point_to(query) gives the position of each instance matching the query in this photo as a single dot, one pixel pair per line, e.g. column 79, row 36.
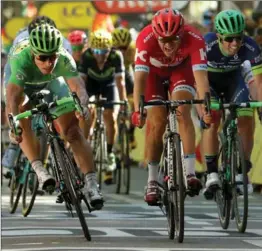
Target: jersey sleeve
column 18, row 71
column 70, row 68
column 198, row 54
column 142, row 62
column 254, row 56
column 119, row 67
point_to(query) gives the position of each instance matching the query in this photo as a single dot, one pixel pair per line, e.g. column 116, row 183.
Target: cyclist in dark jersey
column 226, row 51
column 103, row 70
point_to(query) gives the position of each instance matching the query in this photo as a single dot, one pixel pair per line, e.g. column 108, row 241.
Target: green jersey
column 25, row 73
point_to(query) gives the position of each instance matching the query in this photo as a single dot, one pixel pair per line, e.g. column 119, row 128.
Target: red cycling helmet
column 77, row 37
column 168, row 22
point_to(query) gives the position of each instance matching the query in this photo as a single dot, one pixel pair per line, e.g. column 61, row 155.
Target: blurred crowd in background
column 91, row 15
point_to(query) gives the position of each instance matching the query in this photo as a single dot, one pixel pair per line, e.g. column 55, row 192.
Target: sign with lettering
column 135, row 6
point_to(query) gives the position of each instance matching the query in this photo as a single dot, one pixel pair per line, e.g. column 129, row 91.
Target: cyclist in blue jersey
column 226, row 51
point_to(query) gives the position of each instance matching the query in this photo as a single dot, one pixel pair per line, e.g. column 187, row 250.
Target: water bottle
column 9, row 157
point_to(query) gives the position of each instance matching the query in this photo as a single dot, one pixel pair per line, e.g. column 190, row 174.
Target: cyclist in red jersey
column 169, row 50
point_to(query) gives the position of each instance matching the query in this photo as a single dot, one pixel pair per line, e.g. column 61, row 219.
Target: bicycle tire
column 223, row 196
column 123, row 171
column 237, row 147
column 15, row 185
column 27, row 207
column 178, row 195
column 66, row 165
column 167, row 201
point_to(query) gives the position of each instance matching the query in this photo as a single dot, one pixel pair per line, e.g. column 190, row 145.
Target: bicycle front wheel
column 29, row 192
column 15, row 185
column 239, row 190
column 179, row 189
column 223, row 196
column 123, row 171
column 66, row 165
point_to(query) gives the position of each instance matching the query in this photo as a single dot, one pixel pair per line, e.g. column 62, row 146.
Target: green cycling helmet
column 229, row 22
column 45, row 40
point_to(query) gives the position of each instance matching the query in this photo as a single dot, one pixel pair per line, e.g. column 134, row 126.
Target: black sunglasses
column 231, row 39
column 44, row 58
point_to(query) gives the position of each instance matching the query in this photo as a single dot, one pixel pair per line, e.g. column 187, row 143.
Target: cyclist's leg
column 110, row 92
column 71, row 132
column 219, row 83
column 210, row 149
column 245, row 122
column 182, row 88
column 156, row 117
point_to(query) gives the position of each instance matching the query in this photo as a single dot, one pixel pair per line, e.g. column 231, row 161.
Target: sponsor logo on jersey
column 195, row 35
column 148, row 37
column 140, row 55
column 250, row 47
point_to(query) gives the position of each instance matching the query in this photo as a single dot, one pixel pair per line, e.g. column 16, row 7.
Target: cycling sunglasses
column 44, row 58
column 77, row 47
column 100, row 51
column 230, row 39
column 170, row 39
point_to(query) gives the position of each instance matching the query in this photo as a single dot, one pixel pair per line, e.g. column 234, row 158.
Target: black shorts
column 106, row 90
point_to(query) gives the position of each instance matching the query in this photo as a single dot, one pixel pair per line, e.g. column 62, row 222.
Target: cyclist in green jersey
column 38, row 63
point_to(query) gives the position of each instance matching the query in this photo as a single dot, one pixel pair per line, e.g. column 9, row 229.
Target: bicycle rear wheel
column 29, row 192
column 240, row 201
column 66, row 165
column 223, row 196
column 15, row 185
column 179, row 191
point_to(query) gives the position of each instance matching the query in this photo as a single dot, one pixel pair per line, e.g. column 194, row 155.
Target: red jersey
column 149, row 54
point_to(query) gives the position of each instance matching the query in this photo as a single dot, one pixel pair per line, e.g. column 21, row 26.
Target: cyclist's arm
column 258, row 83
column 15, row 86
column 77, row 84
column 74, row 81
column 202, row 83
column 14, row 94
column 199, row 66
column 120, row 75
column 139, row 87
column 120, row 82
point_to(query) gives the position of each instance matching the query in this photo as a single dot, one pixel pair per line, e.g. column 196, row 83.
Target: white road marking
column 129, row 248
column 255, row 242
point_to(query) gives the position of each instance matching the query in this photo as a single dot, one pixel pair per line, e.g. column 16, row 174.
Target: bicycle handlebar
column 252, row 104
column 174, row 103
column 63, row 106
column 104, row 102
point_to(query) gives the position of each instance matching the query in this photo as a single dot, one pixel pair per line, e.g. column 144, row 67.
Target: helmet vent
column 234, row 25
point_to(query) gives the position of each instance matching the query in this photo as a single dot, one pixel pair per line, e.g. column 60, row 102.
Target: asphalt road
column 125, row 223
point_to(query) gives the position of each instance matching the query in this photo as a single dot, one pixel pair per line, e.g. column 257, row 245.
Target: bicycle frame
column 171, row 130
column 230, row 130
